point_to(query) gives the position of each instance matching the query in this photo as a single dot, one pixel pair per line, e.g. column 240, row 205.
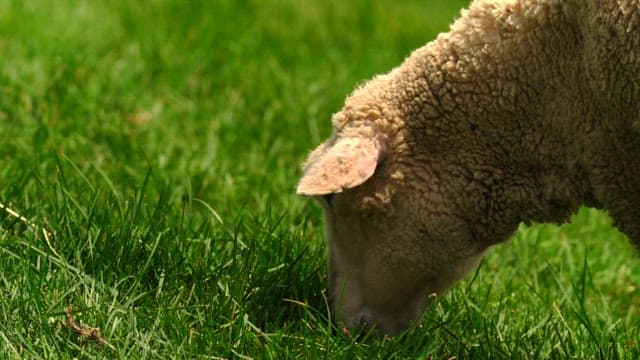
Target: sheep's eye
column 329, row 199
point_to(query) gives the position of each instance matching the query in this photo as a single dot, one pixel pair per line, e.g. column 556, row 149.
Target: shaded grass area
column 160, row 144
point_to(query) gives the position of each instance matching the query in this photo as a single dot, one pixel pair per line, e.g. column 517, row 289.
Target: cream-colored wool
column 523, row 111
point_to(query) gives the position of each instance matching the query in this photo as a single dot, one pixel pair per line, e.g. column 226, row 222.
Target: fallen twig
column 90, row 333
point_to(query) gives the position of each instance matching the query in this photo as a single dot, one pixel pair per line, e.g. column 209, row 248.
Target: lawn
column 153, row 150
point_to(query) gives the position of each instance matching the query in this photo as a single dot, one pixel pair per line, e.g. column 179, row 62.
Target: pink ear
column 331, row 168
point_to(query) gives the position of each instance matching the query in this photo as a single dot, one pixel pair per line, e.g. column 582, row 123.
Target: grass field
column 159, row 143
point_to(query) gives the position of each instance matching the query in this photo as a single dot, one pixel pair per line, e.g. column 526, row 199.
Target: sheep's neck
column 494, row 105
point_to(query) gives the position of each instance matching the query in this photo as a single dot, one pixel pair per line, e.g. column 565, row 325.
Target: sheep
column 524, row 111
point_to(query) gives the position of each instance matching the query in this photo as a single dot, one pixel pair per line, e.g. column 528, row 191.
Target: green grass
column 160, row 144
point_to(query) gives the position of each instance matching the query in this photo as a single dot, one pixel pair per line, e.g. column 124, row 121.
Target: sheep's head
column 395, row 240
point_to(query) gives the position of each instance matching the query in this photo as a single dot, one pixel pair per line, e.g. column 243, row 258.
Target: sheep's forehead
column 373, row 104
column 378, row 122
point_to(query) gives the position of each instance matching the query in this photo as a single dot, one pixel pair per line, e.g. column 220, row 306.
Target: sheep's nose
column 363, row 321
column 361, row 324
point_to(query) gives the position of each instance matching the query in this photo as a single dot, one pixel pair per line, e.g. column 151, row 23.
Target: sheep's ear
column 343, row 164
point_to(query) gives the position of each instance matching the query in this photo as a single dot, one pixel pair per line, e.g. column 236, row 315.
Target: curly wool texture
column 524, row 111
column 537, row 89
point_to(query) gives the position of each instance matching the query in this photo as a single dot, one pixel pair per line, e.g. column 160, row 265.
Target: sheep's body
column 524, row 111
